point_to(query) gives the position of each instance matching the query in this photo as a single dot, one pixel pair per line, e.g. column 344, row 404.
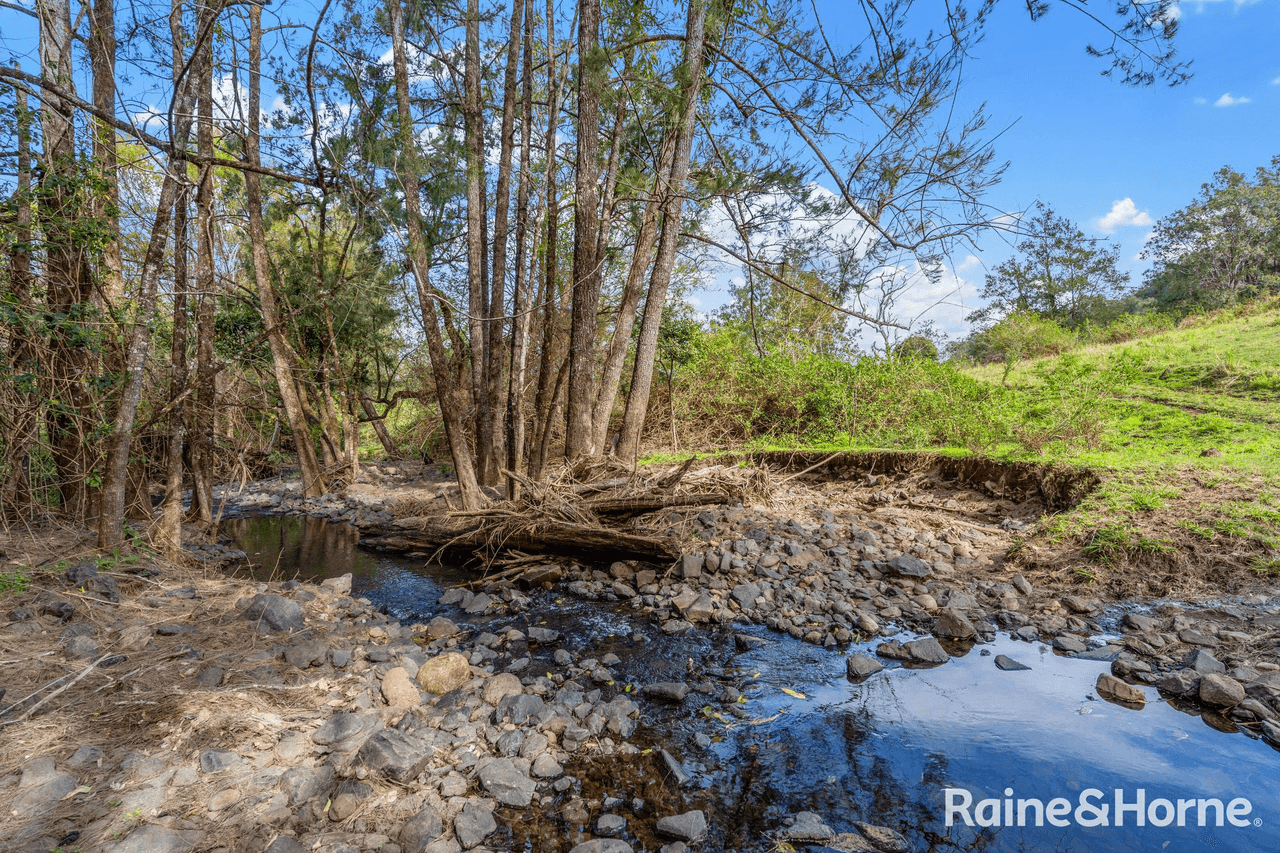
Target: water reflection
column 311, row 549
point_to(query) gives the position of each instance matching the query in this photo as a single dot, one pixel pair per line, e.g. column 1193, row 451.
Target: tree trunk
column 520, row 309
column 17, row 498
column 204, row 413
column 587, row 276
column 170, row 535
column 450, row 408
column 102, row 58
column 380, row 427
column 283, row 363
column 647, row 347
column 473, row 132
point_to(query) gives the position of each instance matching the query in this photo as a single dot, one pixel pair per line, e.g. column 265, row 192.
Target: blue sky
column 1114, row 158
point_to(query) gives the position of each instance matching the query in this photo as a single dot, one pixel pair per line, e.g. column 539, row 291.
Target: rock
column 135, row 638
column 1068, row 643
column 399, row 689
column 274, row 613
column 1271, row 732
column 1182, row 682
column 747, row 643
column 602, row 845
column 396, row 754
column 1141, row 624
column 156, row 839
column 81, row 574
column 1021, row 584
column 346, row 732
column 1202, row 663
column 674, row 768
column 440, row 628
column 340, row 585
column 668, row 691
column 421, row 830
column 285, row 844
column 808, row 827
column 1221, row 691
column 610, row 824
column 546, row 767
column 1110, row 687
column 861, row 666
column 43, row 797
column 224, row 800
column 219, row 761
column 505, row 783
column 305, row 655
column 499, row 687
column 519, row 708
column 300, row 785
column 211, row 677
column 84, row 757
column 907, row 566
column 474, row 824
column 37, row 772
column 81, row 648
column 925, row 651
column 543, row 636
column 343, row 806
column 745, row 594
column 954, row 625
column 689, row 827
column 883, row 838
column 691, row 566
column 1008, row 664
column 443, row 673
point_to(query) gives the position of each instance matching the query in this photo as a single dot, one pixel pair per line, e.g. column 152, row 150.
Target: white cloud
column 1202, row 101
column 968, row 263
column 1227, row 101
column 1124, row 212
column 1276, row 82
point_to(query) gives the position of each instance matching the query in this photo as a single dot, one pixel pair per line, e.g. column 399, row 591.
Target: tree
column 1058, row 273
column 1222, row 247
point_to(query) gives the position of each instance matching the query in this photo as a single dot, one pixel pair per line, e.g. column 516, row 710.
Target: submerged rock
column 1110, row 687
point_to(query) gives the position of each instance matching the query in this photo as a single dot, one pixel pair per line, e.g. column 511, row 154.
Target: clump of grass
column 1265, row 566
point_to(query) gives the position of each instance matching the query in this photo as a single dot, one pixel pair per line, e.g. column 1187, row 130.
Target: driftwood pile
column 594, row 514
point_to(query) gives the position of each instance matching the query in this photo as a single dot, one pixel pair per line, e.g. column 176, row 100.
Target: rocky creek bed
column 813, row 671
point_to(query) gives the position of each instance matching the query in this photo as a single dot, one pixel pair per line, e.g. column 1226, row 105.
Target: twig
column 27, row 713
column 813, row 467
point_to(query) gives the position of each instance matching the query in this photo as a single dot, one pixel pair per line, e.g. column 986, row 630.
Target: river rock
column 499, row 687
column 346, row 732
column 274, row 613
column 689, row 827
column 43, row 797
column 300, row 785
column 1110, row 687
column 156, row 839
column 219, row 761
column 542, row 636
column 883, row 838
column 421, row 830
column 861, row 666
column 396, row 754
column 602, row 845
column 907, row 566
column 441, row 628
column 1069, row 643
column 285, row 844
column 474, row 824
column 610, row 824
column 668, row 691
column 505, row 783
column 954, row 625
column 1271, row 732
column 399, row 689
column 1008, row 664
column 808, row 827
column 519, row 708
column 1202, row 662
column 1141, row 624
column 1221, row 691
column 1182, row 682
column 443, row 673
column 745, row 594
column 925, row 651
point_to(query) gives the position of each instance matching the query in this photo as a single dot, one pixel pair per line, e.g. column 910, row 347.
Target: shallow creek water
column 885, row 751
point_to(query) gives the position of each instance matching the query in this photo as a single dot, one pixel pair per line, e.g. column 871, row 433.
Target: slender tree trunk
column 520, row 308
column 647, row 347
column 451, row 412
column 283, row 363
column 204, row 412
column 17, row 497
column 171, row 511
column 478, row 296
column 587, row 276
column 380, row 427
column 102, row 58
column 641, row 257
column 549, row 420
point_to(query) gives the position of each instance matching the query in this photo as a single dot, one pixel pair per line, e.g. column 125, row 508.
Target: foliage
column 1221, row 248
column 1059, row 274
column 916, row 346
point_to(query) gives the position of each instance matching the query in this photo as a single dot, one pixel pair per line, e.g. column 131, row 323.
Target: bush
column 916, row 346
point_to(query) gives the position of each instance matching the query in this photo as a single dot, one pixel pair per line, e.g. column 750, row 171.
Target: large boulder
column 444, row 673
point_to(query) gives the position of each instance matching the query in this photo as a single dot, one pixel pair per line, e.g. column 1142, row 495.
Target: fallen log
column 619, row 509
column 477, row 537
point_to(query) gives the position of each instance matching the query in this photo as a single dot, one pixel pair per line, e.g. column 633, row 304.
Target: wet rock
column 1271, row 732
column 861, row 666
column 474, row 824
column 1069, row 643
column 907, row 566
column 441, row 628
column 399, row 689
column 674, row 769
column 1029, row 633
column 443, row 673
column 602, row 845
column 1106, row 653
column 421, row 829
column 676, row 626
column 688, row 827
column 954, row 625
column 506, row 783
column 924, row 651
column 610, row 824
column 1110, row 687
column 668, row 691
column 1221, row 691
column 543, row 636
column 396, row 755
column 1139, row 623
column 1202, row 663
column 808, row 827
column 883, row 838
column 1008, row 664
column 747, row 643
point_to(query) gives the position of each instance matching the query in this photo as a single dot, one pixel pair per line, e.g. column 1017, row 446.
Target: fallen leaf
column 795, row 693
